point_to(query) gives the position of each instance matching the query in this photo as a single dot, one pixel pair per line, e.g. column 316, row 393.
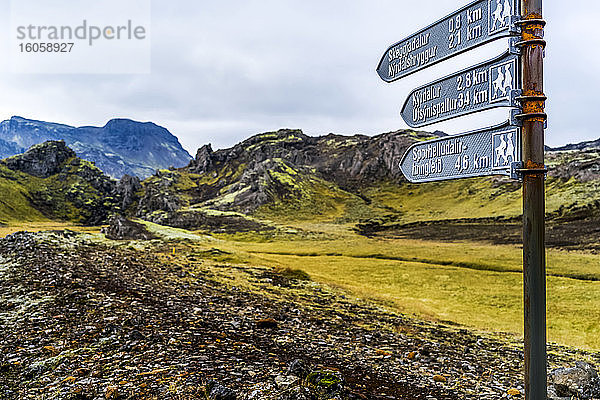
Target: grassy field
column 44, row 225
column 471, row 284
column 472, row 198
column 476, row 285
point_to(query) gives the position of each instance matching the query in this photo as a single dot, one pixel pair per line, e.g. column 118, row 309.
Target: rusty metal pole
column 534, row 259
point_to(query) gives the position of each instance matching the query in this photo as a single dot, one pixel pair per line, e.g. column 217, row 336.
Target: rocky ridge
column 286, row 166
column 589, row 145
column 582, row 165
column 349, row 161
column 42, row 160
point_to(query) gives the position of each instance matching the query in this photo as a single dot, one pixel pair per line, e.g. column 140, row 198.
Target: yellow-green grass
column 56, row 196
column 14, row 202
column 473, row 198
column 311, row 199
column 485, row 293
column 44, row 225
column 467, row 255
column 484, row 300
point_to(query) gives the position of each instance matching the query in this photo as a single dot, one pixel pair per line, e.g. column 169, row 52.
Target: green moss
column 420, row 136
column 284, row 179
column 310, row 199
column 184, row 182
column 273, row 138
column 66, row 196
column 169, row 233
column 337, row 143
column 229, row 197
column 326, row 383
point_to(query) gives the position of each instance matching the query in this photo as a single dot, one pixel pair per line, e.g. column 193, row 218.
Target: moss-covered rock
column 326, row 384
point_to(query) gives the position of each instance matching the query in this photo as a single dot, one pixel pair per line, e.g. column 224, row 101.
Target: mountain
column 120, row 147
column 286, row 175
column 8, row 149
column 282, row 176
column 583, row 146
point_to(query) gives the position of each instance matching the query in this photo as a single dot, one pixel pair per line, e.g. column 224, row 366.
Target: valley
column 285, row 251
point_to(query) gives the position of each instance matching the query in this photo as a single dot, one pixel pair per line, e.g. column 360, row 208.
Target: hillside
column 314, row 176
column 120, row 147
column 589, row 145
column 49, row 181
column 286, row 175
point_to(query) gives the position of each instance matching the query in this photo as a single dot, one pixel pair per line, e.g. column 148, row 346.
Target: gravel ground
column 81, row 319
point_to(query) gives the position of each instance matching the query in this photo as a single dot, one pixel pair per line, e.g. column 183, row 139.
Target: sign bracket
column 515, row 25
column 512, row 46
column 517, row 171
column 514, row 117
column 515, row 97
column 514, row 170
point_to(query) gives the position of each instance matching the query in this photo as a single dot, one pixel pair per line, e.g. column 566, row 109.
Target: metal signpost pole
column 534, row 260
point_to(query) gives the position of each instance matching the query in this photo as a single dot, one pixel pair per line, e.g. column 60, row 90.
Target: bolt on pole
column 534, row 259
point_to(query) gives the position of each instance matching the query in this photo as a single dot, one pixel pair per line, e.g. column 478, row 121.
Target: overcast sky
column 224, row 70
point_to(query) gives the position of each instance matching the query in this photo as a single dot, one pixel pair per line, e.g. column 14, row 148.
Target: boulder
column 579, row 382
column 216, row 391
column 120, row 228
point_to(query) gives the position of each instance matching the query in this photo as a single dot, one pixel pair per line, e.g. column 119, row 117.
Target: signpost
column 534, row 258
column 492, row 151
column 473, row 25
column 487, row 85
column 515, row 148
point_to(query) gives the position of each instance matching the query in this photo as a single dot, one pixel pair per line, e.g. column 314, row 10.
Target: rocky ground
column 84, row 318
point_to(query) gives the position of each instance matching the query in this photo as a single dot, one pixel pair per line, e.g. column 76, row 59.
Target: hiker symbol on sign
column 500, row 16
column 502, row 81
column 504, row 148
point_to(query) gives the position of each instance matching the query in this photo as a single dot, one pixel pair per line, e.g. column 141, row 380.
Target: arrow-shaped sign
column 473, row 25
column 487, row 85
column 491, row 151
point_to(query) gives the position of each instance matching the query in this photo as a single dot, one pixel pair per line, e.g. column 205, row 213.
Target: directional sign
column 490, row 151
column 487, row 85
column 473, row 25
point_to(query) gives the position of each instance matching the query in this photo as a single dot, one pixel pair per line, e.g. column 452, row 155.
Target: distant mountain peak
column 125, row 121
column 120, row 122
column 122, row 146
column 583, row 146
